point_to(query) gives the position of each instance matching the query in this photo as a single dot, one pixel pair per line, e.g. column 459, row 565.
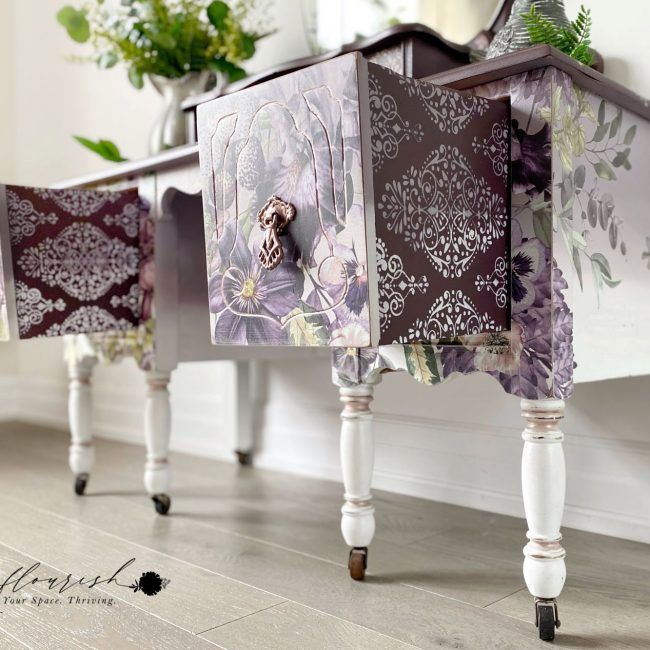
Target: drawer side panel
column 442, row 214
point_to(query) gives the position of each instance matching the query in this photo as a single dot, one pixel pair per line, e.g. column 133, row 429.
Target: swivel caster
column 244, row 458
column 162, row 502
column 546, row 618
column 358, row 562
column 80, row 482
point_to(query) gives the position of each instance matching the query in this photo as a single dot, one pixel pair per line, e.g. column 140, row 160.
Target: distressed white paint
column 80, row 413
column 157, row 432
column 543, row 486
column 357, row 461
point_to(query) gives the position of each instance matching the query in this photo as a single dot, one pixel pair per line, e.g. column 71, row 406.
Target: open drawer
column 70, row 261
column 347, row 205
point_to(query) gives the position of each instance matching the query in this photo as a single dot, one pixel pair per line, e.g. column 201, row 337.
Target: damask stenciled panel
column 285, row 213
column 75, row 260
column 440, row 162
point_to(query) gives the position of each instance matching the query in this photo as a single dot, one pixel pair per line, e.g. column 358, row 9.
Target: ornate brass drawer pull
column 274, row 217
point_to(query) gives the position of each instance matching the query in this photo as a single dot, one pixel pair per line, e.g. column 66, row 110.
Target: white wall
column 459, row 442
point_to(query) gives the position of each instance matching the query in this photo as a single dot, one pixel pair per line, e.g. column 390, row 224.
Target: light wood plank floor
column 255, row 560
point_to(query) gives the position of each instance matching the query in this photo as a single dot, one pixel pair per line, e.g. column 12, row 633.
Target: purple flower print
column 357, row 272
column 563, row 362
column 531, row 160
column 352, row 365
column 250, row 302
column 528, row 264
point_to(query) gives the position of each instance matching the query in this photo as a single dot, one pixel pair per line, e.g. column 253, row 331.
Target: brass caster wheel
column 358, row 562
column 162, row 503
column 244, row 458
column 80, row 482
column 546, row 618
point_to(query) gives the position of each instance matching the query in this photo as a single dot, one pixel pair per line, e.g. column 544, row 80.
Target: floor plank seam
column 462, row 602
column 234, row 620
column 10, row 635
column 498, row 600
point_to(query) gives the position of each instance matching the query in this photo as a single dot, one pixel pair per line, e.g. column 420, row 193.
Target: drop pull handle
column 274, row 218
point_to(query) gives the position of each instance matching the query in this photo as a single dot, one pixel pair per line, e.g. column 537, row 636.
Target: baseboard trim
column 44, row 402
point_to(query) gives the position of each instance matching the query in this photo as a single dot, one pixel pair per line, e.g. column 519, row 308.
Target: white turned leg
column 357, row 459
column 157, row 431
column 81, row 457
column 248, row 398
column 543, row 480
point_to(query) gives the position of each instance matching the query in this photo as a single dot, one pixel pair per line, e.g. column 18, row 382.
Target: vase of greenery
column 169, row 128
column 182, row 47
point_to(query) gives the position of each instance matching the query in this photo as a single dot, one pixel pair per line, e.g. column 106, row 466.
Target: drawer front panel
column 296, row 138
column 440, row 164
column 73, row 259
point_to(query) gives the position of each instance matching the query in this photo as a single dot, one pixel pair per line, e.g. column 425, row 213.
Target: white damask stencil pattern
column 24, row 218
column 31, row 306
column 450, row 111
column 131, row 300
column 388, row 128
column 445, row 210
column 395, row 285
column 89, row 319
column 76, row 203
column 452, row 314
column 496, row 282
column 493, row 148
column 82, row 260
column 128, row 219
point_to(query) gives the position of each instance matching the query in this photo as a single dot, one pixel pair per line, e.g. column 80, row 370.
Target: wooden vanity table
column 350, row 207
column 489, row 218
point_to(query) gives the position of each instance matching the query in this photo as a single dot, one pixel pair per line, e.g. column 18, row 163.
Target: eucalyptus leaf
column 217, row 13
column 247, row 46
column 613, row 235
column 611, row 283
column 577, row 265
column 604, row 170
column 601, row 260
column 616, row 123
column 75, row 23
column 621, row 157
column 136, row 78
column 105, row 148
column 107, row 60
column 601, row 132
column 579, row 176
column 629, row 135
column 592, row 212
column 601, row 112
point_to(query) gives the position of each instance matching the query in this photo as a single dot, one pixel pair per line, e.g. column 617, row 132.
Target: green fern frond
column 573, row 40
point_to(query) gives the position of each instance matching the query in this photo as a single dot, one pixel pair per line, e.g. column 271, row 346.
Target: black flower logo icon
column 150, row 583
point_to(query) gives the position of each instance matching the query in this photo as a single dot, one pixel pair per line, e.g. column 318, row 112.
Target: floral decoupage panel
column 601, row 207
column 522, row 360
column 297, row 138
